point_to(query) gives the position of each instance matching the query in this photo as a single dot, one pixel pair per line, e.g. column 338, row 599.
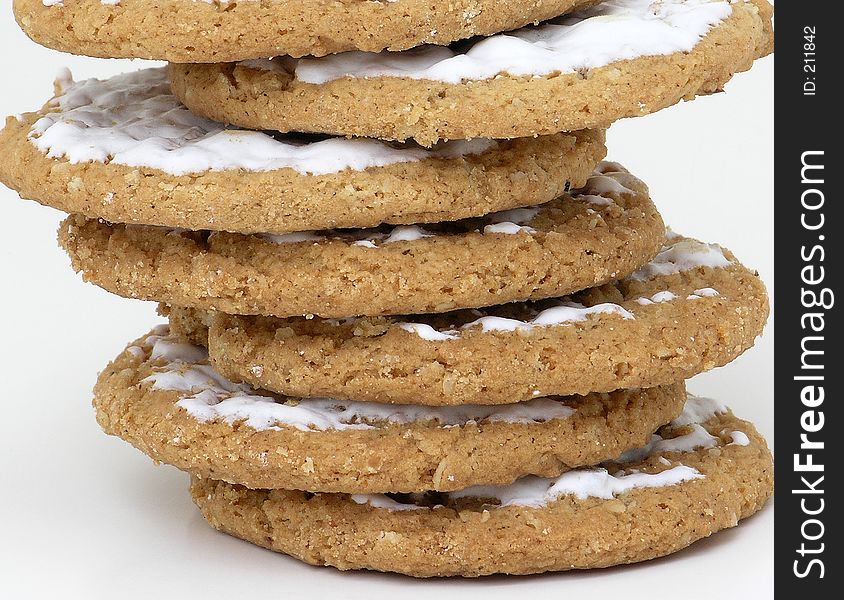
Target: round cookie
column 225, row 30
column 702, row 474
column 597, row 234
column 163, row 397
column 693, row 308
column 623, row 58
column 125, row 150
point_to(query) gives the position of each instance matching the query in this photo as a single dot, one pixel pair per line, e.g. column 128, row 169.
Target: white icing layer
column 657, row 298
column 428, row 333
column 667, row 296
column 697, row 410
column 682, row 255
column 595, row 482
column 739, row 438
column 539, row 491
column 363, row 237
column 209, row 396
column 134, row 120
column 514, row 221
column 704, row 293
column 565, row 313
column 679, row 256
column 698, row 437
column 406, row 233
column 612, row 31
column 383, row 501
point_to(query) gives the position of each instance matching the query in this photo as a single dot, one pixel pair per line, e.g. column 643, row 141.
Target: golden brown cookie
column 693, row 308
column 123, row 149
column 163, row 397
column 594, row 235
column 701, row 474
column 619, row 59
column 225, row 30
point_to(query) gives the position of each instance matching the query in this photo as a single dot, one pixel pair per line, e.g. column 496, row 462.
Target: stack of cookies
column 416, row 323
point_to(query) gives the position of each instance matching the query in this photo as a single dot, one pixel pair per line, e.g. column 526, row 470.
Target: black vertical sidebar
column 808, row 259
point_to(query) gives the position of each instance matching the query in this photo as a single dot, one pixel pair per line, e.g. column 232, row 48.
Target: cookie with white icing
column 622, row 58
column 125, row 150
column 703, row 473
column 589, row 237
column 693, row 308
column 226, row 30
column 162, row 396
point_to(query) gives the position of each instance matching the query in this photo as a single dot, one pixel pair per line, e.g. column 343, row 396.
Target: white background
column 87, row 516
